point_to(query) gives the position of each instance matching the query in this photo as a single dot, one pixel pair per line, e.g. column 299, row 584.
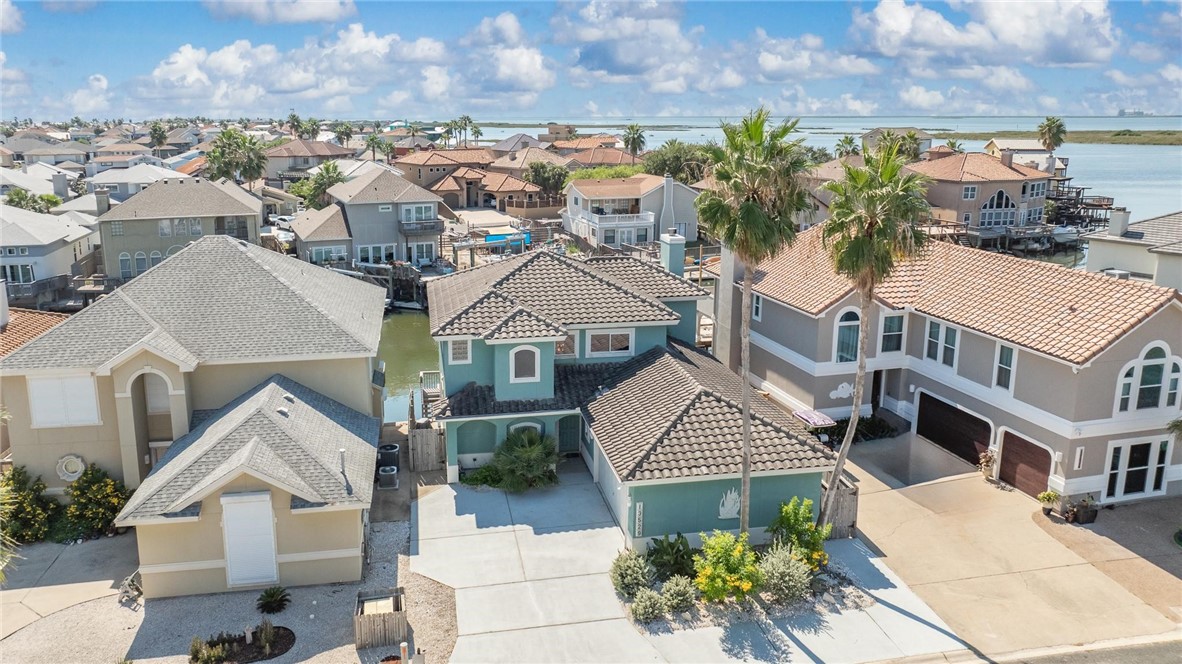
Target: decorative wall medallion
column 843, row 391
column 728, row 507
column 70, row 467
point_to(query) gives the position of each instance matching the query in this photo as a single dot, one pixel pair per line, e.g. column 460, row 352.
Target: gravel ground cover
column 103, row 631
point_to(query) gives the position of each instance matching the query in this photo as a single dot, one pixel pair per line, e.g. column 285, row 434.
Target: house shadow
column 903, row 461
column 1143, row 529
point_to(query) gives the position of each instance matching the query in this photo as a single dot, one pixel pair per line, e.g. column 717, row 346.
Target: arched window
column 173, row 249
column 523, row 365
column 125, row 266
column 999, row 210
column 154, row 258
column 141, row 262
column 1150, row 382
column 526, row 425
column 847, row 337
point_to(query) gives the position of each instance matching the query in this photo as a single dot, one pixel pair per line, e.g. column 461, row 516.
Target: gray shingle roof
column 646, row 276
column 306, row 148
column 187, row 197
column 675, row 412
column 327, row 223
column 281, row 431
column 218, row 299
column 24, row 227
column 1156, row 231
column 381, row 186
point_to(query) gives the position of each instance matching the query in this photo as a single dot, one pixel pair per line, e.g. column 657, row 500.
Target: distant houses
column 629, row 211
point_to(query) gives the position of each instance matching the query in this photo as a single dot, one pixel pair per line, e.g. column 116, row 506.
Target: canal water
column 406, row 348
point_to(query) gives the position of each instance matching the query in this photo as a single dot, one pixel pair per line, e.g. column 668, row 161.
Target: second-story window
column 756, row 306
column 1150, row 382
column 941, row 351
column 460, row 351
column 892, row 334
column 523, row 365
column 116, row 228
column 969, row 193
column 1004, row 377
column 609, row 343
column 847, row 337
column 568, row 347
column 165, row 226
column 125, row 266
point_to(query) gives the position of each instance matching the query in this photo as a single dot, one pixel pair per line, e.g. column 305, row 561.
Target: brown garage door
column 963, row 434
column 1024, row 465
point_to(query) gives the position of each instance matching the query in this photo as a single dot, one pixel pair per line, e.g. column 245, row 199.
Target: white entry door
column 626, row 236
column 248, row 526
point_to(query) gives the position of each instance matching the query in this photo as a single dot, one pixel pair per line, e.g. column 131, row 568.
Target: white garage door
column 249, row 528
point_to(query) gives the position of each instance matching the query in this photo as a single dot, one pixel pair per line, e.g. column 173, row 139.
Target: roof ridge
column 652, row 445
column 473, row 304
column 519, row 309
column 273, row 415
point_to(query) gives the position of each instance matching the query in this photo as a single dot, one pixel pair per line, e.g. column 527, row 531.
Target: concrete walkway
column 50, row 577
column 973, row 552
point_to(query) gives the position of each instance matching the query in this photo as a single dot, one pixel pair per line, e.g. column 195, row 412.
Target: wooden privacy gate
column 428, row 449
column 845, row 509
column 379, row 619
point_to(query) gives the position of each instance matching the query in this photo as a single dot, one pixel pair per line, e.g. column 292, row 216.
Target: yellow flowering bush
column 794, row 528
column 95, row 501
column 726, row 567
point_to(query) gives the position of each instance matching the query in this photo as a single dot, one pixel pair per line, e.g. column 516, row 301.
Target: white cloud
column 502, row 29
column 795, row 101
column 591, row 107
column 1145, row 52
column 182, row 67
column 997, row 79
column 393, row 100
column 726, row 78
column 91, row 99
column 11, row 20
column 920, row 97
column 1130, row 80
column 1172, row 73
column 522, row 68
column 806, row 58
column 14, row 84
column 436, row 82
column 282, row 11
column 68, row 6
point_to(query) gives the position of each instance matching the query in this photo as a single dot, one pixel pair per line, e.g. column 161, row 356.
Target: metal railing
column 615, row 219
column 21, row 291
column 423, row 226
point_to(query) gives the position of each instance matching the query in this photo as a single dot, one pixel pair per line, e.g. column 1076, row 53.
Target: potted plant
column 985, row 463
column 1081, row 511
column 1048, row 499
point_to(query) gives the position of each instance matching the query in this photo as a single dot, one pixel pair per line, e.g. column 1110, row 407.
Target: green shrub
column 726, row 567
column 273, row 600
column 647, row 606
column 794, row 527
column 869, row 428
column 630, row 573
column 95, row 501
column 526, row 460
column 205, row 652
column 679, row 593
column 195, row 648
column 785, row 577
column 29, row 516
column 486, row 475
column 266, row 636
column 670, row 557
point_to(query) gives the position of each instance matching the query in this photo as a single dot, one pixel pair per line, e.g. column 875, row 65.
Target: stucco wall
column 543, row 388
column 471, row 443
column 1133, row 257
column 687, row 328
column 346, row 380
column 479, row 370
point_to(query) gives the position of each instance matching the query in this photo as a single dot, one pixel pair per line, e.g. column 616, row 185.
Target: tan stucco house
column 225, row 408
column 1150, row 249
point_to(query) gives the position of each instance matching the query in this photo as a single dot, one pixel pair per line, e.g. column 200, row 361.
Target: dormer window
column 523, row 365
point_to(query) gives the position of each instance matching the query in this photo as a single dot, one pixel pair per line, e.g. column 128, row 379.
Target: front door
column 626, row 236
column 248, row 526
column 876, row 390
column 1136, row 469
column 570, row 429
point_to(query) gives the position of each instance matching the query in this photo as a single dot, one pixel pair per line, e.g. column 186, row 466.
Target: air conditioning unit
column 1118, row 274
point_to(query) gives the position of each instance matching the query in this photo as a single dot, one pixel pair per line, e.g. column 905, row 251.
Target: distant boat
column 1065, row 234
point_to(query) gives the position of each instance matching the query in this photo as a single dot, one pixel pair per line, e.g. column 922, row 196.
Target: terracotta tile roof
column 426, row 158
column 974, row 167
column 521, row 159
column 586, row 142
column 1069, row 314
column 630, row 187
column 24, row 325
column 194, row 166
column 604, row 157
column 306, row 148
column 503, row 182
column 327, row 223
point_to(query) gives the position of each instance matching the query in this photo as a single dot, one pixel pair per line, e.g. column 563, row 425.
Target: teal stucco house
column 600, row 355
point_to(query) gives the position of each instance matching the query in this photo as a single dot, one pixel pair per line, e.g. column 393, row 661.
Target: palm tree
column 309, row 129
column 477, row 132
column 909, row 146
column 633, row 140
column 342, row 131
column 954, row 145
column 1051, row 133
column 158, row 136
column 465, row 124
column 375, row 143
column 328, row 175
column 887, row 138
column 294, row 124
column 758, row 173
column 871, row 228
column 252, row 162
column 847, row 146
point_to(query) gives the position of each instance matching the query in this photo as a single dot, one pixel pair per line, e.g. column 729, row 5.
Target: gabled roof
column 327, row 223
column 194, row 165
column 54, row 150
column 604, row 157
column 469, row 156
column 586, row 142
column 381, row 186
column 675, row 412
column 521, row 159
column 46, row 171
column 315, row 311
column 630, row 187
column 1018, row 144
column 501, row 182
column 974, row 167
column 1155, row 232
column 517, row 142
column 30, row 183
column 426, row 158
column 123, row 147
column 191, row 197
column 20, row 227
column 1068, row 314
column 646, row 276
column 24, row 325
column 136, row 174
column 305, row 148
column 280, row 432
column 87, row 204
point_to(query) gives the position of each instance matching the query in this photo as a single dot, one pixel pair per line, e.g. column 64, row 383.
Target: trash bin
column 388, row 477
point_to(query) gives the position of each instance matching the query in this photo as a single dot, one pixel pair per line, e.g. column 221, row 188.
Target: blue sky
column 347, row 59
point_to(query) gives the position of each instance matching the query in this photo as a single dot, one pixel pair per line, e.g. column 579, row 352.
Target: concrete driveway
column 975, row 553
column 50, row 577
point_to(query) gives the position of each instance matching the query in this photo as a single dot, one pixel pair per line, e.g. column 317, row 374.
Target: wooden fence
column 385, row 623
column 845, row 509
column 428, row 450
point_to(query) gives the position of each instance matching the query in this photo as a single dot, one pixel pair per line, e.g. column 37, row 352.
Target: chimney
column 61, row 186
column 673, row 252
column 102, row 202
column 3, row 305
column 1118, row 223
column 668, row 215
column 513, row 155
column 1007, row 158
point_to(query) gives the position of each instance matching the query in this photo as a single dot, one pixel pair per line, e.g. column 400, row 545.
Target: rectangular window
column 949, row 358
column 933, row 345
column 24, row 251
column 385, row 208
column 116, row 228
column 969, row 193
column 609, row 343
column 892, row 334
column 568, row 347
column 968, row 218
column 609, row 236
column 642, row 235
column 756, row 306
column 460, row 351
column 1079, row 458
column 1005, row 366
column 195, row 227
column 19, row 274
column 165, row 226
column 63, row 401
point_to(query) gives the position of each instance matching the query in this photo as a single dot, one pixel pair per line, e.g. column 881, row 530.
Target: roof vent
column 282, row 411
column 289, row 398
column 1118, row 274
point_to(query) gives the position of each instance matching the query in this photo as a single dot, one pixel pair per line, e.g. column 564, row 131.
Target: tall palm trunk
column 865, row 297
column 745, row 345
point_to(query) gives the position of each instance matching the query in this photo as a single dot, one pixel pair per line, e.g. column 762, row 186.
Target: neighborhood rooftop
column 306, row 148
column 25, row 227
column 381, row 186
column 974, row 167
column 180, row 197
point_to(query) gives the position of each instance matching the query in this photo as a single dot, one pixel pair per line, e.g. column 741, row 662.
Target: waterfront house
column 463, row 178
column 231, row 388
column 600, row 355
column 517, row 163
column 1069, row 377
column 322, row 236
column 620, row 211
column 603, row 156
column 41, row 253
column 1150, row 249
column 1027, row 151
column 569, row 146
column 292, row 160
column 123, row 183
column 388, row 219
column 516, row 143
column 169, row 214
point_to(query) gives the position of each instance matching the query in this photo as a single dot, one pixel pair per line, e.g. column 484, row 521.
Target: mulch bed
column 253, row 652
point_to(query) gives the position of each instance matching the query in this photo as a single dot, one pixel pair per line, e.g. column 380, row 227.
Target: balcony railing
column 95, row 284
column 615, row 219
column 21, row 291
column 423, row 226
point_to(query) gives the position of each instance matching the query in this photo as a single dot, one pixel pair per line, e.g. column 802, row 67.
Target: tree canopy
column 686, row 162
column 550, row 177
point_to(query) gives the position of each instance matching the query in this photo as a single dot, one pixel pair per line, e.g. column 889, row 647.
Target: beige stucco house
column 225, row 408
column 1150, row 249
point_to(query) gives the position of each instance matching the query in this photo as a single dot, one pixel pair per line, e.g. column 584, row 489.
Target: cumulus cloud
column 1145, row 52
column 282, row 11
column 997, row 79
column 795, row 100
column 13, row 82
column 917, row 96
column 806, row 58
column 93, row 98
column 11, row 20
